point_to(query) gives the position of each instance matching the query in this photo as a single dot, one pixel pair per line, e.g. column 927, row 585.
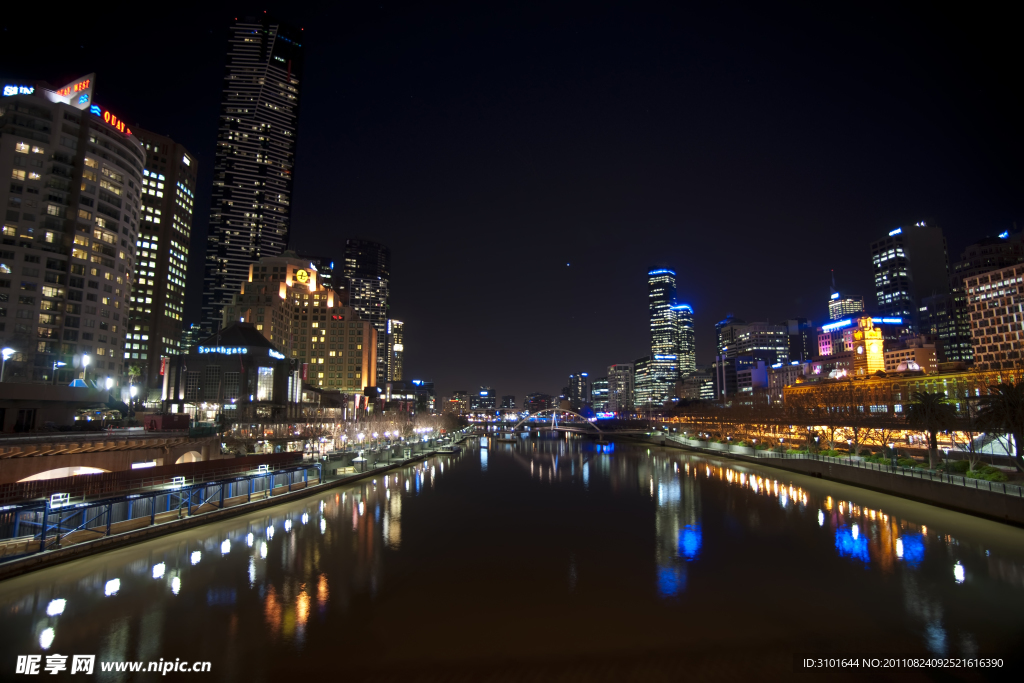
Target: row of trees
column 872, row 414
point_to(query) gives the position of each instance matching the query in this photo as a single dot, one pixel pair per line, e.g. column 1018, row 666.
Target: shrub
column 742, row 443
column 760, row 447
column 988, row 473
column 834, row 454
column 907, row 462
column 958, row 467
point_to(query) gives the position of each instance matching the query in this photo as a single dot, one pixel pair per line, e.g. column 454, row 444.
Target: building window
column 191, row 386
column 265, row 384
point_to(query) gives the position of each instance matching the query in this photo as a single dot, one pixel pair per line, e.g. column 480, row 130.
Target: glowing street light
column 7, row 353
column 57, row 364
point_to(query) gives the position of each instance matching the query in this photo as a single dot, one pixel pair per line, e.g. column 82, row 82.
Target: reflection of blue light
column 689, row 542
column 670, row 581
column 854, row 547
column 913, row 549
column 483, row 459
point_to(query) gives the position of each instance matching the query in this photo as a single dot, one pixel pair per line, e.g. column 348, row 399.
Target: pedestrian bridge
column 49, row 456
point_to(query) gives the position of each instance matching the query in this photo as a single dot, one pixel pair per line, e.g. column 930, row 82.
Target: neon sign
column 275, row 354
column 80, row 86
column 18, row 90
column 110, row 119
column 226, row 350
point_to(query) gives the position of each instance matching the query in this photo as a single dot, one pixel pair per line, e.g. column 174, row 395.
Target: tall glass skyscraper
column 368, row 271
column 664, row 366
column 685, row 339
column 253, row 172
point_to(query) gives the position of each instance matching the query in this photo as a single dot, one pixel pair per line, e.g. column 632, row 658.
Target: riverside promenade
column 1003, row 502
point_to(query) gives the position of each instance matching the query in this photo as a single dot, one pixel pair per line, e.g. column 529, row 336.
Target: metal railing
column 912, row 472
column 39, row 525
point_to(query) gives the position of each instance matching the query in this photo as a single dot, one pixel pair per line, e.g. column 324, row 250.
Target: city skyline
column 378, row 178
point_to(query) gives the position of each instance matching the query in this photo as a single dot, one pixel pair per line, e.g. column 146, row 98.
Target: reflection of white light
column 855, row 531
column 252, row 571
column 305, row 517
column 158, row 570
column 46, row 638
column 175, row 585
column 56, row 607
column 958, row 572
column 406, row 484
column 225, row 547
column 323, row 525
column 263, row 550
column 270, row 532
column 361, row 508
column 287, row 525
column 249, row 539
column 821, row 518
column 899, row 548
column 112, row 587
column 196, row 556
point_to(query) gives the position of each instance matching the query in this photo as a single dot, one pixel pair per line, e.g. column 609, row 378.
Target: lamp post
column 85, row 368
column 57, row 364
column 7, row 353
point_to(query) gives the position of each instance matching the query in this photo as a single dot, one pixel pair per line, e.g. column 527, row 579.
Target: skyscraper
column 685, row 339
column 165, row 233
column 74, row 178
column 663, row 370
column 599, row 394
column 396, row 349
column 910, row 264
column 579, row 390
column 250, row 213
column 620, row 388
column 368, row 272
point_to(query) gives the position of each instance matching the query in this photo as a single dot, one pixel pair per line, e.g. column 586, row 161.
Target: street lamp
column 85, row 367
column 110, row 383
column 57, row 364
column 7, row 353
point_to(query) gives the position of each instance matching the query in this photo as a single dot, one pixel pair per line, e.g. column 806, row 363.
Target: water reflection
column 554, row 526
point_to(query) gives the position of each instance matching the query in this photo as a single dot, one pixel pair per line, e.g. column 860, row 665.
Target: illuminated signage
column 337, row 317
column 185, row 160
column 77, row 93
column 80, row 86
column 888, row 321
column 835, row 295
column 275, row 354
column 665, row 357
column 897, row 231
column 682, row 307
column 18, row 90
column 301, row 276
column 831, row 327
column 226, row 350
column 1002, row 235
column 662, row 271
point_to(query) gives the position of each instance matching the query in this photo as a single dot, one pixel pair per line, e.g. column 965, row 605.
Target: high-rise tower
column 250, row 214
column 165, row 233
column 685, row 339
column 664, row 365
column 910, row 264
column 368, row 271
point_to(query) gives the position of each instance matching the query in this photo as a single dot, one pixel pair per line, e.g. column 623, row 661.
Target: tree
column 1003, row 410
column 931, row 413
column 966, row 394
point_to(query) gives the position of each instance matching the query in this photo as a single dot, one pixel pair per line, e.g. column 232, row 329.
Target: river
column 551, row 558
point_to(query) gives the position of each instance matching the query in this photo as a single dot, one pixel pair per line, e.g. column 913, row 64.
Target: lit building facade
column 686, row 341
column 254, row 166
column 841, row 306
column 368, row 275
column 290, row 308
column 663, row 367
column 620, row 387
column 165, row 234
column 868, row 348
column 579, row 390
column 995, row 303
column 508, row 402
column 642, row 394
column 599, row 394
column 535, row 403
column 396, row 349
column 744, row 339
column 910, row 264
column 72, row 198
column 484, row 399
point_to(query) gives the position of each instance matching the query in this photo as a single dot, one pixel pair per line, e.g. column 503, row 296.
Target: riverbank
column 49, row 558
column 980, row 502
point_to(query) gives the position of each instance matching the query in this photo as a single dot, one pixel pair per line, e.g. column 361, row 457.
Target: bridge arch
column 191, row 456
column 554, row 412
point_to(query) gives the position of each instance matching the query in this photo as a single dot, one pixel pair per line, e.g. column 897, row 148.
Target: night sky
column 527, row 163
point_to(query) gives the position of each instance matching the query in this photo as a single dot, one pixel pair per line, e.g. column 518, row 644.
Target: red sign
column 305, row 371
column 75, row 87
column 337, row 317
column 115, row 122
column 163, row 364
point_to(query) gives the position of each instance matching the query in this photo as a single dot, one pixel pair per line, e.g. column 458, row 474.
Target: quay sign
column 110, row 119
column 226, row 350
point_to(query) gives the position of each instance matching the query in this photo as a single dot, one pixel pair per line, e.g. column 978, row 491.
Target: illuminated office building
column 335, row 348
column 254, row 166
column 72, row 196
column 165, row 234
column 599, row 394
column 994, row 303
column 579, row 390
column 620, row 387
column 910, row 264
column 368, row 273
column 508, row 402
column 841, row 306
column 663, row 368
column 686, row 345
column 484, row 399
column 396, row 349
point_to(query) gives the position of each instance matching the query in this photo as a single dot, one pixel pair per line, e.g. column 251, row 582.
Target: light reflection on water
column 557, row 529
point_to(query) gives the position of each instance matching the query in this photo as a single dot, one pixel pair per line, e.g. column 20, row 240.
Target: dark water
column 552, row 559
